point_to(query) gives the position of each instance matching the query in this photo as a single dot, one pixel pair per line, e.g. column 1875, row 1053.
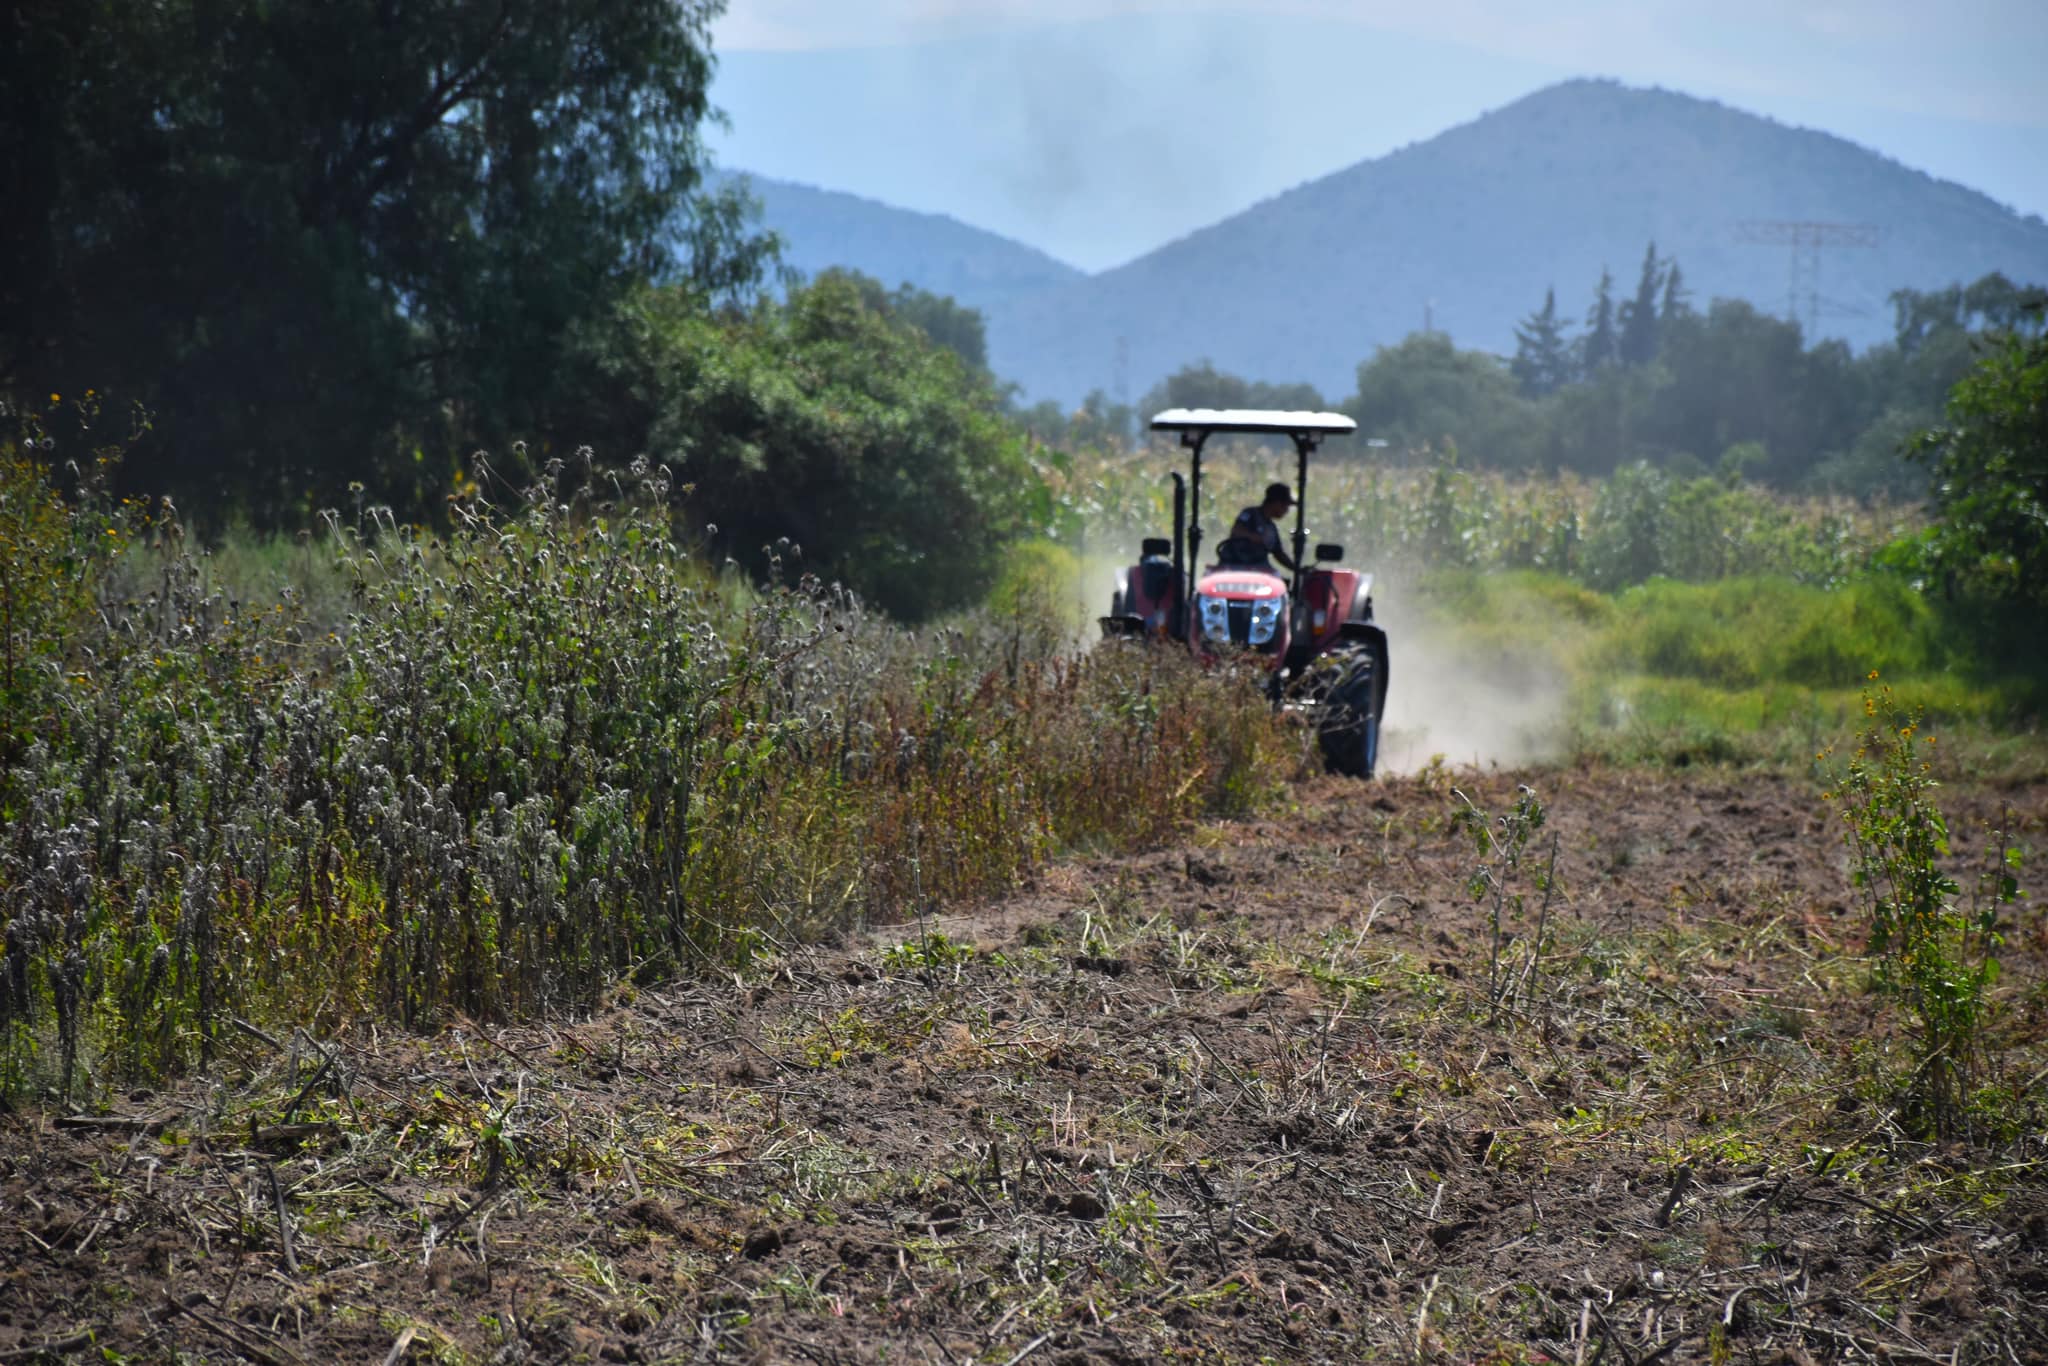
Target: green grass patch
column 1750, row 633
column 1760, row 669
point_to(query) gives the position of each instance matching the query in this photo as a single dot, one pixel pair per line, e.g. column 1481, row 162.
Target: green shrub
column 1990, row 468
column 818, row 422
column 1932, row 958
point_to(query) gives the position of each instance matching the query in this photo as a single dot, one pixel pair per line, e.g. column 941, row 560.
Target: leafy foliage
column 821, row 423
column 1100, row 423
column 343, row 240
column 1601, row 345
column 1990, row 464
column 1647, row 523
column 1992, row 303
column 52, row 552
column 942, row 321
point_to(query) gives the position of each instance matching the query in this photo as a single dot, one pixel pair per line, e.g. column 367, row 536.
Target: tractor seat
column 1158, row 582
column 1235, row 552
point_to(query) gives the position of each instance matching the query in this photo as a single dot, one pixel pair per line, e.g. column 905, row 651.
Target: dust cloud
column 1474, row 703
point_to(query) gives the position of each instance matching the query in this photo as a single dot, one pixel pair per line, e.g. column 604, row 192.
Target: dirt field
column 1241, row 1100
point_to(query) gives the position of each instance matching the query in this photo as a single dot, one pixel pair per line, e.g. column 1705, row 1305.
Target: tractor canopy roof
column 1275, row 421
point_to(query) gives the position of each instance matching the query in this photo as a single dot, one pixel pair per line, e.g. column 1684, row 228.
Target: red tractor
column 1313, row 630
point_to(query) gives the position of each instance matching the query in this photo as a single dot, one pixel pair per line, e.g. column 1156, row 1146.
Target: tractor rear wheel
column 1350, row 728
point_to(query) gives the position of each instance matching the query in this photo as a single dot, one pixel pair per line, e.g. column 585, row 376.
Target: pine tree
column 1638, row 345
column 1599, row 347
column 1677, row 299
column 1543, row 358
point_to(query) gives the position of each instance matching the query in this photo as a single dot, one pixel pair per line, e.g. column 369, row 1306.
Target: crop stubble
column 1229, row 1100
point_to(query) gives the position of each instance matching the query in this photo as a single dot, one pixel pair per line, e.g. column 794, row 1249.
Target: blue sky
column 1098, row 129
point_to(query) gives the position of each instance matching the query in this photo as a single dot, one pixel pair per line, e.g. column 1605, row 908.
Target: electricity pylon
column 1807, row 239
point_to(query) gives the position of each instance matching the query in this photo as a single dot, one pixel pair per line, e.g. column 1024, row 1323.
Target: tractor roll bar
column 1196, row 425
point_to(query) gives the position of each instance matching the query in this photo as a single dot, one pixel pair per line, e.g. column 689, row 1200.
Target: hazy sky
column 1098, row 129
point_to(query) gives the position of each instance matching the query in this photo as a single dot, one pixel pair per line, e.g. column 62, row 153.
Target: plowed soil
column 1277, row 1094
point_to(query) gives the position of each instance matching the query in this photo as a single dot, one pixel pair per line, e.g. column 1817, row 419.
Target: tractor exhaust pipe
column 1180, row 565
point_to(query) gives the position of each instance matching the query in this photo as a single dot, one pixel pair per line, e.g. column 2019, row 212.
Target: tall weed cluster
column 1932, row 957
column 544, row 750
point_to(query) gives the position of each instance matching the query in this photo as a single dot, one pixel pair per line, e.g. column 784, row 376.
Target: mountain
column 1469, row 228
column 823, row 228
column 1466, row 229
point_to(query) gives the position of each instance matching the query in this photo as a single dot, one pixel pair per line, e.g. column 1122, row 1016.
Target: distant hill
column 1472, row 225
column 1467, row 228
column 823, row 228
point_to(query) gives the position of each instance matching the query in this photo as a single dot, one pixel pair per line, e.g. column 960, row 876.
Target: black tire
column 1350, row 728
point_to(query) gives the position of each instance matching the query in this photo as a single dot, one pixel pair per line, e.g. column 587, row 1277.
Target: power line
column 1806, row 239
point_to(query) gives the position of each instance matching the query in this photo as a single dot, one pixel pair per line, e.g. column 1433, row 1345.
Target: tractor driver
column 1256, row 533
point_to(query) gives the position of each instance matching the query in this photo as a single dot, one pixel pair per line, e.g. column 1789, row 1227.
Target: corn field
column 1641, row 523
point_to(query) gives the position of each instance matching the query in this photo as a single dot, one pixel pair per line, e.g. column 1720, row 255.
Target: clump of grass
column 543, row 750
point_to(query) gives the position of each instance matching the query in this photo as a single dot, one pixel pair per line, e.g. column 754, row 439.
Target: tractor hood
column 1241, row 585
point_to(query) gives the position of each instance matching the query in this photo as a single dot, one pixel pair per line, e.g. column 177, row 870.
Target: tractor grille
column 1240, row 623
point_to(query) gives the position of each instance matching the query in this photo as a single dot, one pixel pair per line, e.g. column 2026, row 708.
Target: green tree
column 952, row 325
column 1677, row 298
column 1921, row 317
column 1600, row 346
column 1543, row 355
column 723, row 253
column 1606, row 419
column 1735, row 375
column 1637, row 344
column 1101, row 422
column 1297, row 396
column 336, row 240
column 1202, row 385
column 824, row 421
column 1427, row 392
column 1990, row 466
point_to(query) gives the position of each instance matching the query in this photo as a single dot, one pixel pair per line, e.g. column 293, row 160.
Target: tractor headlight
column 1215, row 617
column 1265, row 619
